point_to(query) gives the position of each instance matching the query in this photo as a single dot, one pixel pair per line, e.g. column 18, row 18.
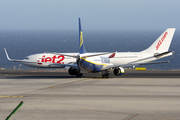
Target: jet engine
column 119, row 71
column 73, row 71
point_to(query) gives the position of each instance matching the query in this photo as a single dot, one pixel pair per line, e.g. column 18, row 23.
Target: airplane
column 101, row 62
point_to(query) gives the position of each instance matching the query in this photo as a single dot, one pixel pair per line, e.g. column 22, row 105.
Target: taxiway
column 54, row 95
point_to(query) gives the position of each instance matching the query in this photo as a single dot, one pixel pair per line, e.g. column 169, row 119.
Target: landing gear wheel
column 105, row 75
column 79, row 75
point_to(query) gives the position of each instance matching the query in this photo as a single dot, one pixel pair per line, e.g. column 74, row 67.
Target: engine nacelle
column 73, row 71
column 119, row 71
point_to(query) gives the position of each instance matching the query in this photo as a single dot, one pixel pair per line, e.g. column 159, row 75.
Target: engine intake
column 119, row 71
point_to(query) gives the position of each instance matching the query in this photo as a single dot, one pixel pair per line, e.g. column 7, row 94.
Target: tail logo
column 161, row 41
column 81, row 39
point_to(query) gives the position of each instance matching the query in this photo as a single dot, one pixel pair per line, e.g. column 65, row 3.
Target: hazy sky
column 94, row 14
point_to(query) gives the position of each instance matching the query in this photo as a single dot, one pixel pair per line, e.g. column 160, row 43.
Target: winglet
column 7, row 54
column 112, row 55
column 81, row 45
column 14, row 60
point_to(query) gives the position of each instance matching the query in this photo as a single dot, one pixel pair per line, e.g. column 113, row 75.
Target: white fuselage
column 134, row 57
column 45, row 60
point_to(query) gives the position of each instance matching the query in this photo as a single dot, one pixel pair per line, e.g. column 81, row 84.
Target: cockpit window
column 26, row 58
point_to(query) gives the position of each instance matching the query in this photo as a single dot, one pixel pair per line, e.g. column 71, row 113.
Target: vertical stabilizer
column 81, row 44
column 163, row 42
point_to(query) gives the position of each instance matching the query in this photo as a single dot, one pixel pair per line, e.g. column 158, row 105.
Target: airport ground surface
column 54, row 95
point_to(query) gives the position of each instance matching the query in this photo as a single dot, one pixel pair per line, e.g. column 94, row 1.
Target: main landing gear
column 105, row 74
column 79, row 75
column 73, row 71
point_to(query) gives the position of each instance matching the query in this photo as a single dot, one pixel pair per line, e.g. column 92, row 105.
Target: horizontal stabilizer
column 161, row 54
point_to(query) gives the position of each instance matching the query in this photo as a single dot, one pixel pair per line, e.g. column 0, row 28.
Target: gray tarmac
column 55, row 95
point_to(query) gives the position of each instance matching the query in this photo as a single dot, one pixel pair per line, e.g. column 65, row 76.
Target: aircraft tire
column 106, row 75
column 79, row 75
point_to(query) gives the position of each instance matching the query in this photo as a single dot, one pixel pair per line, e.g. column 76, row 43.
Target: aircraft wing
column 84, row 56
column 64, row 54
column 98, row 54
column 14, row 60
column 73, row 65
column 137, row 64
